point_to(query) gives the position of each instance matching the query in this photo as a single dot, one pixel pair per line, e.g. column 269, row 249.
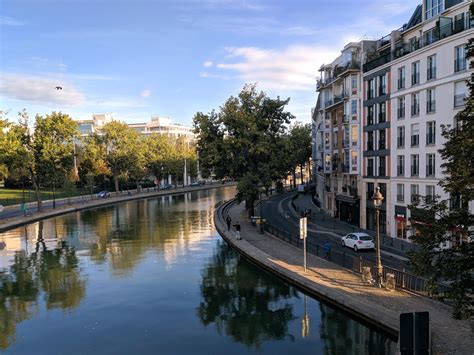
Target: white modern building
column 162, row 125
column 89, row 126
column 413, row 84
column 428, row 90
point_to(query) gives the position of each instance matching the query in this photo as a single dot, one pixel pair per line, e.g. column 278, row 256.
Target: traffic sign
column 303, row 227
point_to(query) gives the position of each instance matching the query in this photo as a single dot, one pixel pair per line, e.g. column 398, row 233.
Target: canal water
column 154, row 277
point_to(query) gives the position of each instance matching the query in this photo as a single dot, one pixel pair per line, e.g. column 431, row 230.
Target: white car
column 358, row 241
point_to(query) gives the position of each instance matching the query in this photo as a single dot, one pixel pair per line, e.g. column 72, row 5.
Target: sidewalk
column 322, row 220
column 345, row 289
column 78, row 205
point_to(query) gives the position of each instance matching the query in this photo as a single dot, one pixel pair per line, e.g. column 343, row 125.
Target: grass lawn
column 15, row 196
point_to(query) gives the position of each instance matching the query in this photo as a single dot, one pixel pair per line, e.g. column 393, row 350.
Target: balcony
column 328, row 103
column 436, row 34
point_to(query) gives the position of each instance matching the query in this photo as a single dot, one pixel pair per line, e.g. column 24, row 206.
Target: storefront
column 401, row 221
column 348, row 209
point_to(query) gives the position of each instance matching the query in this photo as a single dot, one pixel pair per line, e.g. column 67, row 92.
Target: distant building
column 163, row 126
column 89, row 126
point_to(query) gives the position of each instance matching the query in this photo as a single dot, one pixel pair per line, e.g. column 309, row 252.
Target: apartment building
column 340, row 95
column 414, row 83
column 317, row 132
column 430, row 72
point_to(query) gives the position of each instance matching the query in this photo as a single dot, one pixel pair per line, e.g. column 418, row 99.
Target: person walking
column 228, row 220
column 237, row 231
column 327, row 250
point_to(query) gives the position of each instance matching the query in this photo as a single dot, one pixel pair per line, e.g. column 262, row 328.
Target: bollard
column 360, row 264
column 367, row 275
column 390, row 282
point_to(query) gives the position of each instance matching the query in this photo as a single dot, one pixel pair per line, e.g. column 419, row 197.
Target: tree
column 121, row 148
column 243, row 140
column 159, row 153
column 299, row 147
column 437, row 222
column 45, row 154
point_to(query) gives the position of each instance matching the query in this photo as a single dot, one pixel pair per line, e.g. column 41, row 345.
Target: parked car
column 103, row 194
column 195, row 183
column 358, row 241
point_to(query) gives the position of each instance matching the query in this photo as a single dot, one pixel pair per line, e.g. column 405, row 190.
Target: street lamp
column 378, row 198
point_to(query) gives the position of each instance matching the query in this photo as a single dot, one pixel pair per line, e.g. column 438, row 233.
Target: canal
column 153, row 276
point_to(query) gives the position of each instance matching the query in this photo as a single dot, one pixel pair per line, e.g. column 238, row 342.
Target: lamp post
column 260, row 207
column 378, row 198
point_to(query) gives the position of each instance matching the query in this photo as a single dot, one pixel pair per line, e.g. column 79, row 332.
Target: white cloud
column 145, row 93
column 38, row 89
column 10, row 21
column 208, row 64
column 291, row 69
column 214, row 76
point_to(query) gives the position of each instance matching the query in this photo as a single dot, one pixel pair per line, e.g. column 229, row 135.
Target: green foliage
column 435, row 223
column 245, row 140
column 44, row 154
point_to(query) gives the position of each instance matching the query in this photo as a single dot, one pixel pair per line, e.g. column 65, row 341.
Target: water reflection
column 244, row 304
column 159, row 265
column 52, row 273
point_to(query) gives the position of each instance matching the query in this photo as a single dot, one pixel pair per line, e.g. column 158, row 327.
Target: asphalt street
column 278, row 212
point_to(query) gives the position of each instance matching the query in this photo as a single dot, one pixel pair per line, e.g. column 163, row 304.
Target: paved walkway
column 344, row 288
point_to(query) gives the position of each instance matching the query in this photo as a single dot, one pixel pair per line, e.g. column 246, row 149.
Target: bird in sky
column 58, row 88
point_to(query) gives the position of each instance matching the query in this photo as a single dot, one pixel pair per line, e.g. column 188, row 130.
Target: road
column 279, row 213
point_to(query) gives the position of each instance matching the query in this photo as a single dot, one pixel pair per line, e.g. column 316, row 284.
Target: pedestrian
column 237, row 230
column 327, row 250
column 228, row 221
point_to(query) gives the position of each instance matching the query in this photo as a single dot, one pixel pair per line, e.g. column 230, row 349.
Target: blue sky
column 138, row 58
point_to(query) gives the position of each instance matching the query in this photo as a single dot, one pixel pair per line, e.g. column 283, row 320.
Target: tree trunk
column 116, row 183
column 250, row 208
column 301, row 174
column 38, row 194
column 294, row 178
column 136, row 181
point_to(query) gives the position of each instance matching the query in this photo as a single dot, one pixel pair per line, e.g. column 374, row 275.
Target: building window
column 354, row 160
column 354, row 82
column 370, row 89
column 460, row 58
column 433, row 8
column 401, row 107
column 382, row 85
column 430, row 164
column 400, row 165
column 401, row 137
column 354, row 107
column 415, row 104
column 415, row 134
column 354, row 135
column 430, row 100
column 382, row 139
column 370, row 167
column 430, row 193
column 370, row 140
column 382, row 112
column 414, row 192
column 370, row 115
column 401, row 78
column 415, row 73
column 430, row 132
column 431, row 67
column 400, row 193
column 334, row 139
column 459, row 93
column 327, row 140
column 415, row 165
column 382, row 166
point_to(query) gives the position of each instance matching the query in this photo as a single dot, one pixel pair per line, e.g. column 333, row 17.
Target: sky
column 138, row 58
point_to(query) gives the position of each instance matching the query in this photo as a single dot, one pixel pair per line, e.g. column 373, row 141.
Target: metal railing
column 403, row 279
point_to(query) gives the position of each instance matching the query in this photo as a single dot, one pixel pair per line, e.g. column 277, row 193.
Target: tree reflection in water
column 248, row 306
column 53, row 274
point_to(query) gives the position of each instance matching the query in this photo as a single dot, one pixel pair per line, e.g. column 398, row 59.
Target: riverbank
column 343, row 288
column 83, row 204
